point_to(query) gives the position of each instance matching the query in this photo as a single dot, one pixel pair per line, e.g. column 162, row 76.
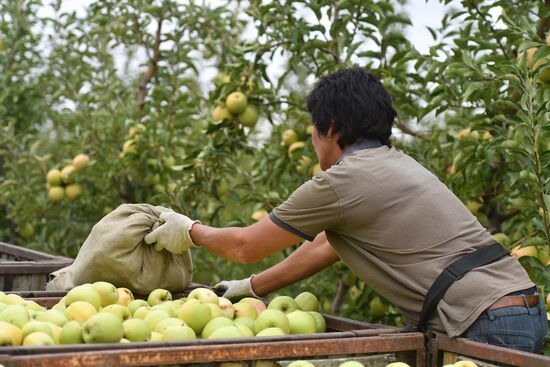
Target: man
column 390, row 220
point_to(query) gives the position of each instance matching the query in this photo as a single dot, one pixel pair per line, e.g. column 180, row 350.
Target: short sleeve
column 311, row 209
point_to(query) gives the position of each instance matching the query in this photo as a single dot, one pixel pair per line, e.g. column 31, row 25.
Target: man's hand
column 173, row 234
column 237, row 289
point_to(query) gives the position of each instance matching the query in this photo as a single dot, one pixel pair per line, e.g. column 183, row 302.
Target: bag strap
column 454, row 272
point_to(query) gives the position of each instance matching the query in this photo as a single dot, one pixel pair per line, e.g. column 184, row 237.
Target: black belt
column 451, row 274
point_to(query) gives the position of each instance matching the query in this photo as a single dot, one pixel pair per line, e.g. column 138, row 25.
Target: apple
column 33, row 306
column 215, row 324
column 71, row 333
column 227, row 307
column 271, row 331
column 246, row 321
column 289, row 137
column 80, row 311
column 125, row 296
column 13, row 299
column 15, row 314
column 283, row 303
column 102, row 328
column 236, row 103
column 135, row 304
column 301, row 322
column 85, row 293
column 320, row 322
column 142, row 312
column 249, row 117
column 230, row 331
column 118, row 310
column 166, row 307
column 377, row 308
column 38, row 338
column 54, row 177
column 10, row 334
column 56, row 331
column 56, row 193
column 258, row 304
column 107, row 293
column 465, row 364
column 519, row 251
column 155, row 316
column 352, row 364
column 155, row 337
column 272, row 318
column 158, row 296
column 220, row 113
column 27, row 232
column 178, row 333
column 301, row 363
column 80, row 161
column 307, row 301
column 171, row 321
column 68, row 174
column 259, row 214
column 124, row 340
column 34, row 326
column 136, row 330
column 215, row 310
column 247, row 332
column 204, row 295
column 195, row 314
column 73, row 191
column 245, row 309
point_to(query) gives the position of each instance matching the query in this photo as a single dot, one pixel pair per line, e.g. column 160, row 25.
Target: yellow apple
column 158, row 296
column 34, row 326
column 56, row 193
column 236, row 103
column 38, row 338
column 220, row 113
column 289, row 137
column 73, row 191
column 119, row 311
column 107, row 292
column 10, row 335
column 68, row 174
column 54, row 177
column 80, row 161
column 84, row 292
column 80, row 311
column 519, row 251
column 125, row 296
column 136, row 330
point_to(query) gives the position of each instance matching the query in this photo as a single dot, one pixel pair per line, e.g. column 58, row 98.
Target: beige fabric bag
column 115, row 252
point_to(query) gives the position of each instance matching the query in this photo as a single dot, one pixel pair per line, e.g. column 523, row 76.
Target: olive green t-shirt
column 395, row 225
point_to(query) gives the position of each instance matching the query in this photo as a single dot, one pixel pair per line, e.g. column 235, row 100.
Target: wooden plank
column 31, row 267
column 204, row 351
column 28, row 254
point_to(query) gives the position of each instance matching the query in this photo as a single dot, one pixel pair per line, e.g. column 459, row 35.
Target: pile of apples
column 102, row 313
column 300, row 363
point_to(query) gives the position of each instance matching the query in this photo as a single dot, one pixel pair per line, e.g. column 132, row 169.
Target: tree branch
column 407, row 130
column 153, row 63
column 544, row 22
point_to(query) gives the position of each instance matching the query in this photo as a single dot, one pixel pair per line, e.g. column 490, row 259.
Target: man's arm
column 308, row 259
column 244, row 244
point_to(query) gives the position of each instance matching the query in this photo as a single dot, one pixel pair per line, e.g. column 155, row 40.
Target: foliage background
column 470, row 109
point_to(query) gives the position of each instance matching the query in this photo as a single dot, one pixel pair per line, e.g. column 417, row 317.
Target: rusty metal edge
column 29, row 253
column 175, row 352
column 490, row 353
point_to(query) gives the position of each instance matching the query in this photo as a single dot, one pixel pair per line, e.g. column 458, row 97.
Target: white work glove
column 237, row 289
column 174, row 233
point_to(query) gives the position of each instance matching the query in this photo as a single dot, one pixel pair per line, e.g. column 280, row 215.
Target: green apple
column 166, row 307
column 307, row 301
column 125, row 296
column 171, row 321
column 271, row 331
column 136, row 330
column 60, row 306
column 245, row 309
column 230, row 331
column 155, row 316
column 155, row 337
column 215, row 310
column 142, row 312
column 178, row 333
column 464, row 364
column 236, row 103
column 272, row 318
column 247, row 332
column 283, row 303
column 301, row 363
column 215, row 324
column 258, row 304
column 195, row 314
column 246, row 321
column 85, row 293
column 320, row 322
column 227, row 307
column 34, row 326
column 118, row 310
column 13, row 299
column 10, row 334
column 2, row 296
column 80, row 311
column 54, row 316
column 102, row 328
column 15, row 314
column 124, row 340
column 204, row 295
column 135, row 304
column 56, row 332
column 32, row 306
column 352, row 364
column 301, row 322
column 38, row 338
column 158, row 296
column 107, row 292
column 71, row 333
column 399, row 364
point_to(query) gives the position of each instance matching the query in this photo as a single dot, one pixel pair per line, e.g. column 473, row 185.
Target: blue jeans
column 522, row 328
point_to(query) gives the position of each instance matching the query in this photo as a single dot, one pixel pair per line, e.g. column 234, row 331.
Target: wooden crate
column 23, row 269
column 443, row 350
column 345, row 339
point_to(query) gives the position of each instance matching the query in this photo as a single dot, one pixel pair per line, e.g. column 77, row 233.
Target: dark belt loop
column 524, row 298
column 490, row 314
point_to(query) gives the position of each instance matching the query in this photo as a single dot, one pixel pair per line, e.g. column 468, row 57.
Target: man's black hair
column 356, row 105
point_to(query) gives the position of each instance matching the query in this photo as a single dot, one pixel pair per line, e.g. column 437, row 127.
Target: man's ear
column 331, row 133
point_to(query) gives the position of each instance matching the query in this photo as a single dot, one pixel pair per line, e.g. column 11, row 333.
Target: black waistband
column 528, row 291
